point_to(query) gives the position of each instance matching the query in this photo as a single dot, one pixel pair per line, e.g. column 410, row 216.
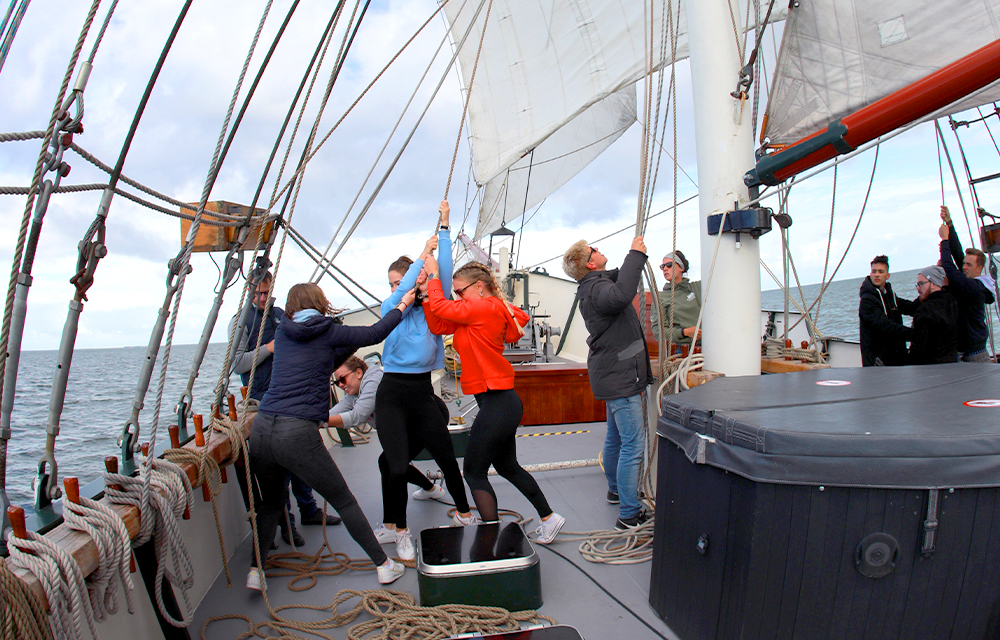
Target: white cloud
column 179, row 130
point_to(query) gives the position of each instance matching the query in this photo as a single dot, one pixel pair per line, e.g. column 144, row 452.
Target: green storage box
column 488, row 565
column 459, row 440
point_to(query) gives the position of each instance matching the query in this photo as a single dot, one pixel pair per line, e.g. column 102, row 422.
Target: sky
column 179, row 131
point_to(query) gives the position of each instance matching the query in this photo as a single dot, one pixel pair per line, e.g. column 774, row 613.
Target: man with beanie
column 686, row 299
column 618, row 364
column 934, row 335
column 972, row 288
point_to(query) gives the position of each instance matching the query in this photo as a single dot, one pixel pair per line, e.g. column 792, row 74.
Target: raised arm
column 613, row 296
column 453, row 312
column 405, row 285
column 346, row 336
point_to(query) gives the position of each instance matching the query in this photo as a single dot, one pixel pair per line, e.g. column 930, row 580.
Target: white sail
column 548, row 65
column 555, row 160
column 837, row 56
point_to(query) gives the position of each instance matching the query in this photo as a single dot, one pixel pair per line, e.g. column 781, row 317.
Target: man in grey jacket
column 618, row 364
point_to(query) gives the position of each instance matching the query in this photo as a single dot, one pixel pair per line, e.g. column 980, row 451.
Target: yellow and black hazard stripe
column 553, row 433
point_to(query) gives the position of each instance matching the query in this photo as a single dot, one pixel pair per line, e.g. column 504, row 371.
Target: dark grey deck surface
column 569, row 596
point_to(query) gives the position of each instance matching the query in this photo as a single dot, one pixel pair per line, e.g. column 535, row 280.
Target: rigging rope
column 468, row 97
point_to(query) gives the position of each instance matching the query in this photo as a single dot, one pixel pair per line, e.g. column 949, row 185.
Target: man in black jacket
column 935, row 332
column 883, row 334
column 972, row 288
column 618, row 365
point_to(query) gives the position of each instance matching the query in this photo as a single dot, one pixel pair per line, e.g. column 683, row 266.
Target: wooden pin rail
column 82, row 547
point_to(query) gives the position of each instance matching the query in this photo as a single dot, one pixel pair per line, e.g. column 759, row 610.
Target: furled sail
column 837, row 57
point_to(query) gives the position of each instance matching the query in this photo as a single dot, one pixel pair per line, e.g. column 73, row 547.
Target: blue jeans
column 623, row 450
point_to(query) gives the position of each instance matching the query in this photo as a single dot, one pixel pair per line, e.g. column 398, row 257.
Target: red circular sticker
column 833, row 383
column 983, row 404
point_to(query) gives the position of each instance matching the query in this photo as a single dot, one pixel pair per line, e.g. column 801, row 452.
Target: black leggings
column 279, row 444
column 491, row 441
column 410, row 418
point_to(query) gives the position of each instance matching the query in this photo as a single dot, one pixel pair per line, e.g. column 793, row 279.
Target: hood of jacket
column 308, row 329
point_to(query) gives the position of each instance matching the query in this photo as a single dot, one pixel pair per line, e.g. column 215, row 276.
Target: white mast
column 731, row 324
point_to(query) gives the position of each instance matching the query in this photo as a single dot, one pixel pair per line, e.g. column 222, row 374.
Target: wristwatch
column 444, row 226
column 431, row 276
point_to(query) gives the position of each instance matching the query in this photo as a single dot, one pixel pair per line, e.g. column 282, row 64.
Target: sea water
column 102, row 386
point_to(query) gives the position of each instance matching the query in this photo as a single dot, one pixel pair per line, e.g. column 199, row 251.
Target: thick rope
column 631, row 546
column 169, row 490
column 468, row 97
column 22, row 612
column 62, row 581
column 114, row 547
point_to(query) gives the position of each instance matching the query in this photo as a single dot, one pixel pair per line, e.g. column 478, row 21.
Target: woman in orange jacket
column 482, row 322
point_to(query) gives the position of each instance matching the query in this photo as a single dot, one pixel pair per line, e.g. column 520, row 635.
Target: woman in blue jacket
column 308, row 347
column 409, row 417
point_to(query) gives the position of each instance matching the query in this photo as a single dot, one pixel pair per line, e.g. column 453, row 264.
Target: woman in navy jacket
column 308, row 347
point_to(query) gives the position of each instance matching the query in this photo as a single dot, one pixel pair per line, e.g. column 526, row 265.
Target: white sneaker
column 549, row 529
column 390, row 571
column 404, row 545
column 384, row 535
column 436, row 492
column 255, row 579
column 465, row 522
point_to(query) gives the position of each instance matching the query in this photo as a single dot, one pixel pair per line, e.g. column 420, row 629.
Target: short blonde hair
column 575, row 260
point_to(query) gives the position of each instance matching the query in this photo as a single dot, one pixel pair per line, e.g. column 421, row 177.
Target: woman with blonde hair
column 483, row 322
column 308, row 347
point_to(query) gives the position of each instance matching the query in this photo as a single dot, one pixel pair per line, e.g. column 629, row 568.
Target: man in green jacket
column 686, row 300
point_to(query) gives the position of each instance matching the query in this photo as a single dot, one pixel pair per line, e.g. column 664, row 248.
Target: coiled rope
column 631, row 546
column 22, row 612
column 169, row 491
column 114, row 548
column 62, row 581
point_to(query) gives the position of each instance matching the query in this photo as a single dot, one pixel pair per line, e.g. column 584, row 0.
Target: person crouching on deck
column 482, row 322
column 285, row 434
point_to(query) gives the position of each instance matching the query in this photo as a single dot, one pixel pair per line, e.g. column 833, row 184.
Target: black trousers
column 409, row 419
column 491, row 441
column 279, row 445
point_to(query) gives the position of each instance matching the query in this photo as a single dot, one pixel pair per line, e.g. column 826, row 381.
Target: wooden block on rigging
column 214, row 238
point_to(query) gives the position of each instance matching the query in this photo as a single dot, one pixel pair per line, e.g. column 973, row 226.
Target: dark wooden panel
column 557, row 393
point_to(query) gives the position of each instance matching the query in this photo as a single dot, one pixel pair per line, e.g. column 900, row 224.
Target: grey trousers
column 281, row 444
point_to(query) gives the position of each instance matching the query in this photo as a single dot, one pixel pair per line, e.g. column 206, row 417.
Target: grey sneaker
column 549, row 529
column 628, row 523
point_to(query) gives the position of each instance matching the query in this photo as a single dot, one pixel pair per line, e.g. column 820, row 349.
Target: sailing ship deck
column 569, row 596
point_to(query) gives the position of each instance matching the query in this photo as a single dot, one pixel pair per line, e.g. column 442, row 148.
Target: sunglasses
column 667, row 265
column 459, row 292
column 591, row 256
column 341, row 381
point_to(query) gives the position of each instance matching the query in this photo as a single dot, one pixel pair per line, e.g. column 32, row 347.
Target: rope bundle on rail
column 169, row 495
column 63, row 583
column 22, row 612
column 114, row 549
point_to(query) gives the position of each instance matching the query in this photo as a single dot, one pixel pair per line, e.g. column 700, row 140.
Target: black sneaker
column 317, row 518
column 628, row 523
column 612, row 497
column 296, row 537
